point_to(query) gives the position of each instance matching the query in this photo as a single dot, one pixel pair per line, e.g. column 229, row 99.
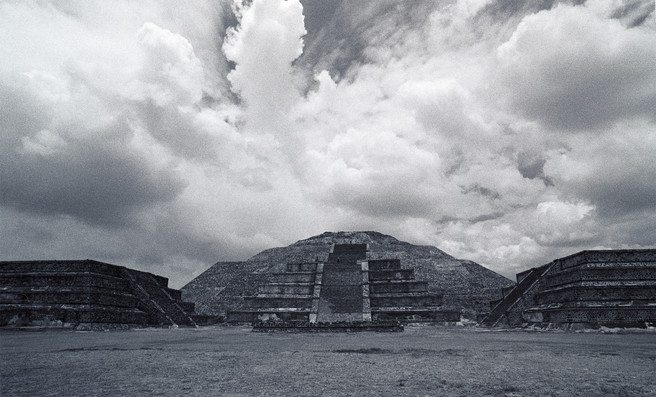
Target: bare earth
column 232, row 361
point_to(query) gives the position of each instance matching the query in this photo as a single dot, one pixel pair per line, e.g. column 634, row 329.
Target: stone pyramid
column 463, row 285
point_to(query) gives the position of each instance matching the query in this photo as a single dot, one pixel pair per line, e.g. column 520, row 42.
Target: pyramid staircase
column 526, row 281
column 341, row 297
column 70, row 293
column 346, row 288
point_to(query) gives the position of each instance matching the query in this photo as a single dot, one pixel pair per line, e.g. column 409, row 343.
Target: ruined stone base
column 385, row 326
column 591, row 326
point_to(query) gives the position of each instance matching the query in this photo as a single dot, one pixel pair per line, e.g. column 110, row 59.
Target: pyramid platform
column 614, row 288
column 71, row 293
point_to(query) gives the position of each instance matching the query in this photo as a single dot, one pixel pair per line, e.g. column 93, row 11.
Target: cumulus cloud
column 572, row 68
column 168, row 137
column 263, row 47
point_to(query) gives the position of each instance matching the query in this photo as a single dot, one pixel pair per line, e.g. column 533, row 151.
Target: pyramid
column 461, row 285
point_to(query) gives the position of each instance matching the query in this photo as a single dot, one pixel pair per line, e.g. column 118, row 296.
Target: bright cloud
column 169, row 137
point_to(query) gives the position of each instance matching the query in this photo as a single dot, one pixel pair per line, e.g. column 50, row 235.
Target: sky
column 167, row 136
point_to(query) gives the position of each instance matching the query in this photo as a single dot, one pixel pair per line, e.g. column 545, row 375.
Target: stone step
column 294, row 277
column 302, row 267
column 79, row 266
column 578, row 292
column 174, row 293
column 34, row 314
column 63, row 280
column 583, row 273
column 268, row 314
column 397, row 286
column 601, row 256
column 155, row 300
column 344, row 265
column 357, row 249
column 599, row 315
column 599, row 304
column 342, row 298
column 398, row 274
column 331, row 277
column 287, row 288
column 384, row 264
column 350, row 326
column 404, row 300
column 414, row 314
column 413, row 309
column 68, row 266
column 300, row 301
column 188, row 307
column 75, row 295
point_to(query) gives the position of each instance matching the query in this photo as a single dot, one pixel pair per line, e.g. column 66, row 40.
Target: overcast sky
column 166, row 135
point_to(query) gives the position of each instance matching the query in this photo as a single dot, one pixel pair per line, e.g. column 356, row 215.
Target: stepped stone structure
column 589, row 288
column 85, row 292
column 346, row 276
column 346, row 288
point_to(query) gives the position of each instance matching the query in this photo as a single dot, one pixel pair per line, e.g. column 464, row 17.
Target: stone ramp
column 341, row 294
column 526, row 281
column 341, row 288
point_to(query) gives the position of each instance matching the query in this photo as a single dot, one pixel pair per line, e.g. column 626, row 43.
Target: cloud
column 611, row 172
column 263, row 47
column 99, row 183
column 168, row 137
column 170, row 71
column 572, row 68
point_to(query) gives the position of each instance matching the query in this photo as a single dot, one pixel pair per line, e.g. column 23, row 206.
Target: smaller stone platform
column 612, row 288
column 88, row 294
column 342, row 326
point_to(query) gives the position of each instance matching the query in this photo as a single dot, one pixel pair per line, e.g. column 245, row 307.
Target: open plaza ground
column 421, row 361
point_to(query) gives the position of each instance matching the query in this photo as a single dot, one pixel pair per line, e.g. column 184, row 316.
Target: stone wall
column 595, row 288
column 70, row 293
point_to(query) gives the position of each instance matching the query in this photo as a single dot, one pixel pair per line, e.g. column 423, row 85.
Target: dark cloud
column 22, row 112
column 487, row 217
column 317, row 14
column 575, row 71
column 620, row 192
column 339, row 31
column 98, row 181
column 531, row 167
column 177, row 131
column 482, row 190
column 501, row 9
column 634, row 13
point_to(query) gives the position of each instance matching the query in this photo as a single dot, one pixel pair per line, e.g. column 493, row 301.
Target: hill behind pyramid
column 464, row 284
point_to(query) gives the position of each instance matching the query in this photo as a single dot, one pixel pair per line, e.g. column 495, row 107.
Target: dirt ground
column 232, row 361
